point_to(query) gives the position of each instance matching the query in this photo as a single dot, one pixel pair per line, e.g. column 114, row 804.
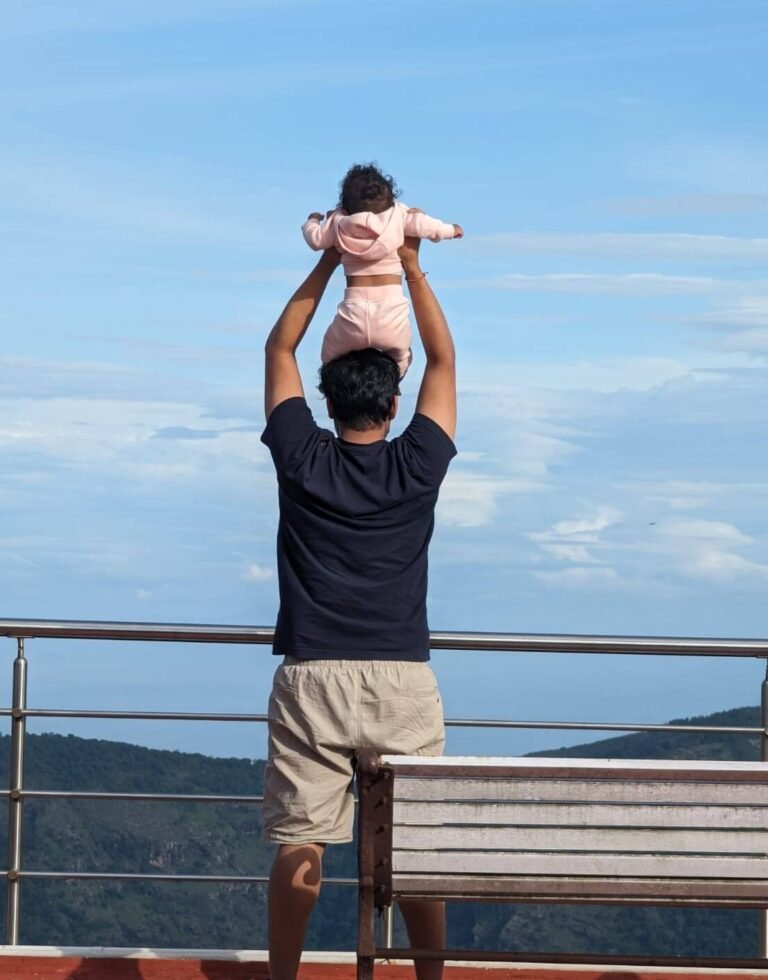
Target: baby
column 367, row 228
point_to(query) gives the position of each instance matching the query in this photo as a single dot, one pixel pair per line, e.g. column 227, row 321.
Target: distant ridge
column 225, row 838
column 677, row 745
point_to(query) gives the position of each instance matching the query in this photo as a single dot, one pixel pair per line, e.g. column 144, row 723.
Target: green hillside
column 225, row 838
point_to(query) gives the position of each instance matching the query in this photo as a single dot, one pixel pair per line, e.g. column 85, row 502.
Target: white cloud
column 585, row 530
column 705, row 531
column 580, row 577
column 706, row 549
column 700, row 549
column 470, row 499
column 257, row 573
column 576, row 553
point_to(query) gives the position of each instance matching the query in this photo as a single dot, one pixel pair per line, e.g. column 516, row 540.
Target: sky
column 608, row 160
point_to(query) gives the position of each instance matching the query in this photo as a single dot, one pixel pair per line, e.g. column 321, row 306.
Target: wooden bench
column 558, row 830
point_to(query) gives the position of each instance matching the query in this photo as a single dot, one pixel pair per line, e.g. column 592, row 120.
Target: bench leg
column 364, row 967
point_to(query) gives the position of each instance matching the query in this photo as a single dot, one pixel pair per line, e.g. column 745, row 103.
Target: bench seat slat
column 597, row 791
column 627, row 839
column 443, row 863
column 639, row 891
column 512, row 767
column 407, row 813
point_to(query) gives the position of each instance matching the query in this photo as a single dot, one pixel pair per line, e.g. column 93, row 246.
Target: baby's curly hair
column 366, row 188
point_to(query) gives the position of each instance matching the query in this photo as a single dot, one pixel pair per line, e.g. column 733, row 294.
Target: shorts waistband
column 340, row 665
column 374, row 294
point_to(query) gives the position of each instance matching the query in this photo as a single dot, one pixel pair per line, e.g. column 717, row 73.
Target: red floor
column 60, row 968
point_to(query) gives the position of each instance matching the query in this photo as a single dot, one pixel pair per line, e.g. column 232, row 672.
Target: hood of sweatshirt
column 370, row 236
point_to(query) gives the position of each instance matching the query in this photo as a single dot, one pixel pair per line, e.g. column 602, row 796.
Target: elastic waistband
column 374, row 294
column 340, row 666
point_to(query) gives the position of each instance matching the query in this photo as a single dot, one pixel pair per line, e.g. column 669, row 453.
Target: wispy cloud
column 626, row 284
column 606, row 550
column 626, row 245
column 741, row 326
column 580, row 577
column 92, row 16
column 110, row 196
column 690, row 204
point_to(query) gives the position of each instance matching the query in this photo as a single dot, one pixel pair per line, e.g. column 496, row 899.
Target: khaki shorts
column 320, row 713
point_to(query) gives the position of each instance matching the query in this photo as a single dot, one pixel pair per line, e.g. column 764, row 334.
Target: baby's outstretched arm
column 420, row 225
column 319, row 234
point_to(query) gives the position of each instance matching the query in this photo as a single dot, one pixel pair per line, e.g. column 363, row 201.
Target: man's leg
column 294, row 884
column 425, row 922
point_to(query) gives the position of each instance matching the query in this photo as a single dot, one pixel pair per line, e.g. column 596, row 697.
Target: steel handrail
column 587, row 726
column 137, row 876
column 22, row 629
column 439, row 640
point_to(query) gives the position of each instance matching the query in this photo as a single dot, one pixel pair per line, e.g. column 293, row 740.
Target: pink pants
column 371, row 316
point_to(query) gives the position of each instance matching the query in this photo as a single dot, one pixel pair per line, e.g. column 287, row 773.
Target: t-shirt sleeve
column 427, row 450
column 291, row 434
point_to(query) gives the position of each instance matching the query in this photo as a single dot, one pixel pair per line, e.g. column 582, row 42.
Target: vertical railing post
column 388, row 926
column 763, row 932
column 18, row 727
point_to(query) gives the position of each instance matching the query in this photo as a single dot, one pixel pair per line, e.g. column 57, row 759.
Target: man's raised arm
column 281, row 372
column 437, row 394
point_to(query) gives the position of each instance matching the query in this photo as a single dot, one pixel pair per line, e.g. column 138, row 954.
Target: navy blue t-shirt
column 355, row 525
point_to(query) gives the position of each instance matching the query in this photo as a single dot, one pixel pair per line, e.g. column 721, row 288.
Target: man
column 356, row 518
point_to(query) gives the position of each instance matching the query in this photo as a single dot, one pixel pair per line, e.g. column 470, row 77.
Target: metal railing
column 21, row 630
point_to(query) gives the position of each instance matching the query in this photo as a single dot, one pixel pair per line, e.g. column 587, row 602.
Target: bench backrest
column 571, row 830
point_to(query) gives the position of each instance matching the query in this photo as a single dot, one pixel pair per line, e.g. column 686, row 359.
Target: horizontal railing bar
column 163, row 632
column 130, row 876
column 140, row 715
column 523, row 642
column 65, row 794
column 598, row 726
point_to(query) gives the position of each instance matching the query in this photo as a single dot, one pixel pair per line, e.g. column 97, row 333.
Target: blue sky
column 608, row 161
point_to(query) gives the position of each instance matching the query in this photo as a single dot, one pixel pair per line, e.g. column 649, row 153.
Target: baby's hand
column 458, row 231
column 316, row 215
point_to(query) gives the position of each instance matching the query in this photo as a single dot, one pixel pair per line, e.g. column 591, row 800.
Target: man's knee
column 298, row 867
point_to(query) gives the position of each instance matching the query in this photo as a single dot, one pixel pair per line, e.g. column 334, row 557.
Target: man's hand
column 458, row 231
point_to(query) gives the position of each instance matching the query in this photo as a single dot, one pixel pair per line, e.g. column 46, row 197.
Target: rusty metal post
column 18, row 731
column 763, row 930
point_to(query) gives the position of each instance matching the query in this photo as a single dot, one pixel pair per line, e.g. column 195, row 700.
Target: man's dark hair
column 366, row 188
column 360, row 386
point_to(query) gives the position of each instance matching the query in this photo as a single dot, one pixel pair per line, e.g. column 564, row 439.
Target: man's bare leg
column 425, row 922
column 294, row 884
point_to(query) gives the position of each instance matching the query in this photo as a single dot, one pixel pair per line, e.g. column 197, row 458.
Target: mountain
column 205, row 838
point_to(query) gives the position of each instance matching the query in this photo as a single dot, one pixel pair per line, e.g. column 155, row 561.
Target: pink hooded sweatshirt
column 369, row 242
